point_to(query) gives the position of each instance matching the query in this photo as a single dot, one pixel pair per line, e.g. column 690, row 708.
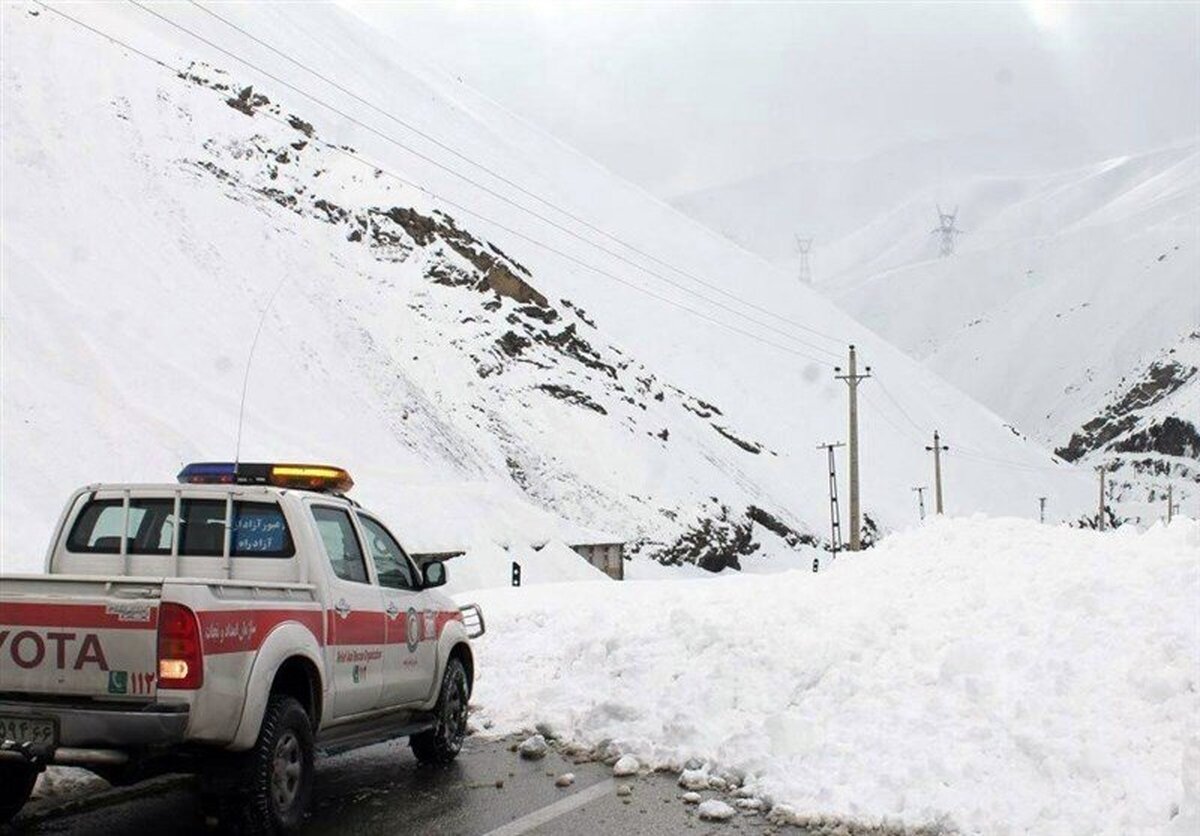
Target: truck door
column 410, row 660
column 354, row 617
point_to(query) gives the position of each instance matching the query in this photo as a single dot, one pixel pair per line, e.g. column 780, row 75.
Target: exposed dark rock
column 714, row 543
column 300, row 125
column 247, row 100
column 513, row 344
column 1161, row 380
column 778, row 527
column 546, row 315
column 748, row 446
column 568, row 342
column 1172, row 437
column 574, row 396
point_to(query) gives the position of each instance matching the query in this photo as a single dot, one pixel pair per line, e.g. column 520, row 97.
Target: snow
column 488, row 565
column 1067, row 278
column 134, row 278
column 715, row 810
column 1013, row 677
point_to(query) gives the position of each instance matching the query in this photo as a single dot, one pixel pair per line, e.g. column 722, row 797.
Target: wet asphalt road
column 383, row 790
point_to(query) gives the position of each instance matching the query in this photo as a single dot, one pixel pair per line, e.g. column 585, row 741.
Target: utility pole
column 1170, row 503
column 1041, row 509
column 1100, row 516
column 835, row 517
column 937, row 449
column 946, row 231
column 921, row 499
column 804, row 246
column 852, row 380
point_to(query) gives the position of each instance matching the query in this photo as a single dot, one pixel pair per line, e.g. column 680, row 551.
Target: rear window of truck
column 259, row 528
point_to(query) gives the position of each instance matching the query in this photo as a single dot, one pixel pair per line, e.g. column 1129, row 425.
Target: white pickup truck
column 233, row 624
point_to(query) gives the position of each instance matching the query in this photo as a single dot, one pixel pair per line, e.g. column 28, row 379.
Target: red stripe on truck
column 122, row 616
column 239, row 631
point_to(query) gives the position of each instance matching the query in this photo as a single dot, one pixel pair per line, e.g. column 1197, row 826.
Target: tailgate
column 79, row 635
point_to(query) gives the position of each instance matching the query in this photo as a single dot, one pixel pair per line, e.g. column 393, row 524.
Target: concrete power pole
column 1100, row 516
column 1041, row 509
column 921, row 499
column 1170, row 503
column 804, row 246
column 835, row 516
column 852, row 379
column 937, row 449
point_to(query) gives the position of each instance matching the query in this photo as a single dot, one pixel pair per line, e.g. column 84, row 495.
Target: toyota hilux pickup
column 233, row 624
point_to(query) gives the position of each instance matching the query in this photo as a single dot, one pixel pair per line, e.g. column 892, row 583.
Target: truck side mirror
column 435, row 574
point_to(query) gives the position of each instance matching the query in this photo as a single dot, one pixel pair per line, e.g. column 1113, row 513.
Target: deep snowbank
column 1018, row 678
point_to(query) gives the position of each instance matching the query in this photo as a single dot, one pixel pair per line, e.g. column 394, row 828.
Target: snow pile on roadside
column 1014, row 677
column 488, row 565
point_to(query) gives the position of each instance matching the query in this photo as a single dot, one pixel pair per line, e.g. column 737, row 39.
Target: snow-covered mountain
column 595, row 358
column 1062, row 288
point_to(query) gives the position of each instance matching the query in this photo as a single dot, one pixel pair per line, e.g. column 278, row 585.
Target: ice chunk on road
column 626, row 765
column 694, row 779
column 533, row 748
column 715, row 810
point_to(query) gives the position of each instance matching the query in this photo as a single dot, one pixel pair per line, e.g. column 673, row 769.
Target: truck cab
column 234, row 623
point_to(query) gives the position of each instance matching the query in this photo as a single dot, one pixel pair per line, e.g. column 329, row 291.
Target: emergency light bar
column 307, row 477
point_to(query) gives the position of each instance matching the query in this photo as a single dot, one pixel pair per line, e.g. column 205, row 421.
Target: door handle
column 342, row 608
column 393, row 609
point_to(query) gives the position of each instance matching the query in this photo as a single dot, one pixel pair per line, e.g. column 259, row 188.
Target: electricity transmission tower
column 835, row 517
column 852, row 380
column 804, row 246
column 921, row 499
column 946, row 231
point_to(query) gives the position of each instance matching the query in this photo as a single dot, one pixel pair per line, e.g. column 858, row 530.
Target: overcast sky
column 680, row 96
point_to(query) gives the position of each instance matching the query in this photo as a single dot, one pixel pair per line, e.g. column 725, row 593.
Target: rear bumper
column 96, row 735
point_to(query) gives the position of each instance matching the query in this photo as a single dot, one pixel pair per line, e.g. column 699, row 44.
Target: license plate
column 27, row 730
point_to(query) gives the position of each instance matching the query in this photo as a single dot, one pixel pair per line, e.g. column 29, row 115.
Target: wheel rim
column 287, row 770
column 454, row 713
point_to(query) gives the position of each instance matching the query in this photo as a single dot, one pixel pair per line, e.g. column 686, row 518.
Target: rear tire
column 443, row 742
column 274, row 780
column 16, row 785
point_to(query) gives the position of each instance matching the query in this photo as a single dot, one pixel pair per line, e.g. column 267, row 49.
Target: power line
column 504, row 198
column 523, row 236
column 500, row 177
column 887, row 393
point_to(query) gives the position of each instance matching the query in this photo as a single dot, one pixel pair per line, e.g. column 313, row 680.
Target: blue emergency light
column 308, row 477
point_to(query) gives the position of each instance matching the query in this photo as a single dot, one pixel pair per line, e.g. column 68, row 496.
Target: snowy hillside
column 1061, row 286
column 648, row 381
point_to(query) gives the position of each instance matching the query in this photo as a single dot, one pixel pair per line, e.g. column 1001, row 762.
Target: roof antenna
column 237, row 449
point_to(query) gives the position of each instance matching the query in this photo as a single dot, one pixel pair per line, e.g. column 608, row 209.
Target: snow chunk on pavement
column 691, row 798
column 626, row 765
column 533, row 748
column 715, row 810
column 995, row 674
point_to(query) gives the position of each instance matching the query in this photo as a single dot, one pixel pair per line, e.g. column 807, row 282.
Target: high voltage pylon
column 946, row 231
column 835, row 517
column 804, row 247
column 920, row 491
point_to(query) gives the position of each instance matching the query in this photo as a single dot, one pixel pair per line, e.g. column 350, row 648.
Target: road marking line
column 552, row 811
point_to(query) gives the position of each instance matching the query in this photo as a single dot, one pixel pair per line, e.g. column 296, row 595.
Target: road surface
column 488, row 791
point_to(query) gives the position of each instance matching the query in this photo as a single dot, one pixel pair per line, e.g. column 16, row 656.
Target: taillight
column 180, row 659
